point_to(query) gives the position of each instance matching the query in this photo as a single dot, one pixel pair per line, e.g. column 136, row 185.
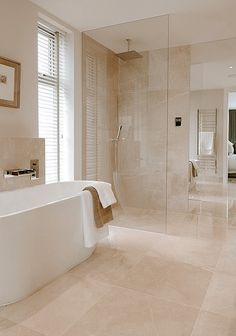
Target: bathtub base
column 45, row 284
column 38, row 245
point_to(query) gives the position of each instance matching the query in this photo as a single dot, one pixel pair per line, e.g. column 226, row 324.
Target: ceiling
column 91, row 14
column 192, row 22
column 146, row 34
column 213, row 65
column 152, row 33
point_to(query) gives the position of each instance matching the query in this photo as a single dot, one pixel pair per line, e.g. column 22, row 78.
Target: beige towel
column 194, row 168
column 101, row 215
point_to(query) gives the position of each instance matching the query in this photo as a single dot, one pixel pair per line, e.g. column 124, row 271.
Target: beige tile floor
column 142, row 283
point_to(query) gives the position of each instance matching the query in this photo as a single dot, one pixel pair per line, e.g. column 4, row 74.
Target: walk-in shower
column 130, row 101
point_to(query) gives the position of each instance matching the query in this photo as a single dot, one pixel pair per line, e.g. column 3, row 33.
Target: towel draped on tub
column 97, row 199
column 101, row 215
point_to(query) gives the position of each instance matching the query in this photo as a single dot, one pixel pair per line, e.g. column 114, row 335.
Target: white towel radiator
column 207, row 122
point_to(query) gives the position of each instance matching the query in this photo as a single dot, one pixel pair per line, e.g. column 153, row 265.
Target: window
column 52, row 99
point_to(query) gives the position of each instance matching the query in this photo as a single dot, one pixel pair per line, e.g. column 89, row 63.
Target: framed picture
column 9, row 83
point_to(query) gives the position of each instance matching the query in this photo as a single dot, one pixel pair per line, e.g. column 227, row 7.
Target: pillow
column 230, row 148
column 234, row 145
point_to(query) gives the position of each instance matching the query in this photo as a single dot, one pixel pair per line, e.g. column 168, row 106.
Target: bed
column 231, row 160
column 232, row 163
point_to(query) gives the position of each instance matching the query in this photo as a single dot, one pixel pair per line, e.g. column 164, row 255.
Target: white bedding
column 232, row 163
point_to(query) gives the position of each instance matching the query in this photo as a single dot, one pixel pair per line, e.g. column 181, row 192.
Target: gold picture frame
column 10, row 72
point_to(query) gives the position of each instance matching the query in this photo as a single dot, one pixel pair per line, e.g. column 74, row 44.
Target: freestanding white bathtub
column 41, row 237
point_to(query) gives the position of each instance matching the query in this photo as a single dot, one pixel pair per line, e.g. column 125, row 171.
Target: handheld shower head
column 118, row 134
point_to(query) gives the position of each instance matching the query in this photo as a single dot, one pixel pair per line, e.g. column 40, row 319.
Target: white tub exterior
column 41, row 237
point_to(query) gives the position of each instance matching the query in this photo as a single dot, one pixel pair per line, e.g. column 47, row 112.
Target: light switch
column 178, row 121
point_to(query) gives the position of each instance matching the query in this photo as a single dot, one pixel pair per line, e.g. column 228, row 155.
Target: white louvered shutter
column 91, row 118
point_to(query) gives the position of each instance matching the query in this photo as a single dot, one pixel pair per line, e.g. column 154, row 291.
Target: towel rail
column 206, row 140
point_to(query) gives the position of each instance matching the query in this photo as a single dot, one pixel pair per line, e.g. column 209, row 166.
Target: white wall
column 207, row 99
column 18, row 36
column 232, row 100
column 18, row 41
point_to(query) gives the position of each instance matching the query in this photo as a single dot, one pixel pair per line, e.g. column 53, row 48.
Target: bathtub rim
column 41, row 205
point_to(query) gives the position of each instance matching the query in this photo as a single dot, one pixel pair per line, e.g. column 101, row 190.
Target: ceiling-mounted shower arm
column 130, row 54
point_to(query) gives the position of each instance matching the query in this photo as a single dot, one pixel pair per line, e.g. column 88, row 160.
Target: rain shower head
column 130, row 54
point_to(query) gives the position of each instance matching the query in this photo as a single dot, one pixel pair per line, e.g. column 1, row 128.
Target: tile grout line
column 152, row 296
column 201, row 310
column 87, row 311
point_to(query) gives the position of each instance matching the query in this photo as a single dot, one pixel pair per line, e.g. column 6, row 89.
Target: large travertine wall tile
column 16, row 153
column 157, row 79
column 178, row 137
column 135, row 94
column 143, row 113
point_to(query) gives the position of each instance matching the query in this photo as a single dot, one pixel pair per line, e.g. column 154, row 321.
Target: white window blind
column 52, row 98
column 91, row 118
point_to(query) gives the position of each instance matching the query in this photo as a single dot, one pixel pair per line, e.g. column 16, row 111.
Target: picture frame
column 10, row 73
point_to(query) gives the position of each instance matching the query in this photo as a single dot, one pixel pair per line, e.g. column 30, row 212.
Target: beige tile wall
column 178, row 137
column 147, row 176
column 143, row 114
column 17, row 153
